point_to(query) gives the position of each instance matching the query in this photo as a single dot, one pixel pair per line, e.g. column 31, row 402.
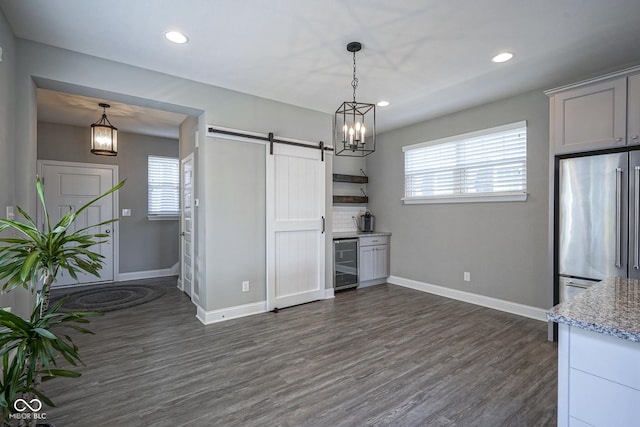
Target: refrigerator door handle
column 636, row 217
column 576, row 285
column 618, row 214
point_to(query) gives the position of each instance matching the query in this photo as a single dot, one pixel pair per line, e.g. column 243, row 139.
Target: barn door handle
column 323, row 225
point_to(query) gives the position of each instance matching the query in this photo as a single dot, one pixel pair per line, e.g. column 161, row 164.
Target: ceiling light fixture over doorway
column 104, row 135
column 354, row 121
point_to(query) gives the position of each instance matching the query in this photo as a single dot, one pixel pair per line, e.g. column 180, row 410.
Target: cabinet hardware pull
column 618, row 216
column 636, row 218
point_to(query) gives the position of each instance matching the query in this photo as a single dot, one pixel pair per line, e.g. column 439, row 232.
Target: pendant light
column 104, row 136
column 354, row 123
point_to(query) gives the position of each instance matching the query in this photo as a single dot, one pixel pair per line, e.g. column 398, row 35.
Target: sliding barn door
column 295, row 225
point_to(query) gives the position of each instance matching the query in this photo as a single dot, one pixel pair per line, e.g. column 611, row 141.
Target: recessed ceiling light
column 502, row 57
column 176, row 37
column 383, row 103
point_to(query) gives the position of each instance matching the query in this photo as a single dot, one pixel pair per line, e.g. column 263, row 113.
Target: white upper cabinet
column 633, row 110
column 590, row 117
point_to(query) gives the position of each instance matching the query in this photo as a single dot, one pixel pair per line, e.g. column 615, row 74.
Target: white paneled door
column 295, row 225
column 68, row 186
column 186, row 276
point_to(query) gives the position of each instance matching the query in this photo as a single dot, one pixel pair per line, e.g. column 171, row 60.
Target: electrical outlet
column 245, row 286
column 467, row 276
column 10, row 213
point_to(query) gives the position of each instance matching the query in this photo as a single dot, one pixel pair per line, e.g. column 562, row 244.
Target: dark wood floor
column 379, row 356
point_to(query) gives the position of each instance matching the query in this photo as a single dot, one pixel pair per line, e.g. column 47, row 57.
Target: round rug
column 109, row 298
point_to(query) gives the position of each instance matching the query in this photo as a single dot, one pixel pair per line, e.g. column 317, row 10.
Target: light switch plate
column 126, row 212
column 11, row 212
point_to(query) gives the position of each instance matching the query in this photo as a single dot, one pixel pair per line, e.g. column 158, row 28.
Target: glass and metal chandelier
column 104, row 135
column 355, row 122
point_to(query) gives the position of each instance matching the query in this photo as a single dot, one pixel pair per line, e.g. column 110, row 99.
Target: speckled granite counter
column 355, row 234
column 611, row 307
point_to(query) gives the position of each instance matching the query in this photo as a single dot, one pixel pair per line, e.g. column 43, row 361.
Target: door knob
column 107, row 231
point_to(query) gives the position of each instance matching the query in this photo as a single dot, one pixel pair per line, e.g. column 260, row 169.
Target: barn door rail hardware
column 271, row 140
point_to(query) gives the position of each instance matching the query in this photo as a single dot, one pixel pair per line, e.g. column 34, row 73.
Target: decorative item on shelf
column 104, row 136
column 354, row 121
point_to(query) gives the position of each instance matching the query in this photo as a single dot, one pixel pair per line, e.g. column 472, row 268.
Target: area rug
column 108, row 298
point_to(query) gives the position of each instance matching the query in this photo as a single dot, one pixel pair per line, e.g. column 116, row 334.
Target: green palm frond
column 31, row 348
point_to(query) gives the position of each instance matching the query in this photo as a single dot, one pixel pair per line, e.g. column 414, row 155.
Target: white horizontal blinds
column 164, row 186
column 486, row 162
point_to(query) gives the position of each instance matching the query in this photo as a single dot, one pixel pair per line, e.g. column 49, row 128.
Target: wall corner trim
column 329, row 293
column 489, row 302
column 222, row 314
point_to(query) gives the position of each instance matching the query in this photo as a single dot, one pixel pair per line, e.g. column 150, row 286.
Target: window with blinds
column 488, row 165
column 163, row 187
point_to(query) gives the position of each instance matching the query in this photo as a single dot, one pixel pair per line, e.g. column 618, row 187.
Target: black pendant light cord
column 354, row 82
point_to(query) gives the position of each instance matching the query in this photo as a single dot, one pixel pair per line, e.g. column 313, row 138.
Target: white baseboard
column 497, row 304
column 149, row 274
column 215, row 316
column 372, row 283
column 175, row 269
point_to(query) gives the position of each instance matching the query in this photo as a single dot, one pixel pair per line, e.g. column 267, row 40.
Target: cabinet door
column 382, row 263
column 367, row 263
column 591, row 117
column 633, row 110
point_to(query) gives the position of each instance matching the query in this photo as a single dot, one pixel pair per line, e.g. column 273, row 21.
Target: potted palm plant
column 30, row 348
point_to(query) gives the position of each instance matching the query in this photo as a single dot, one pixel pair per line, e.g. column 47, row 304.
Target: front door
column 295, row 225
column 68, row 186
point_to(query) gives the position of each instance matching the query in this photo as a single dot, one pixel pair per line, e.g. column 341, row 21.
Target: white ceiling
column 427, row 57
column 76, row 110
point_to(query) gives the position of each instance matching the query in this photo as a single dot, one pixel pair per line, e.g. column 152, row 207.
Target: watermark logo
column 21, row 405
column 33, row 406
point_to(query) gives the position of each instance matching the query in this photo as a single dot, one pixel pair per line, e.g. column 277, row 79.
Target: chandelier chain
column 354, row 82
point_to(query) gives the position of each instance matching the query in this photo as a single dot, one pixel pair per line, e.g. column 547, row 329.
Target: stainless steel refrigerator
column 598, row 219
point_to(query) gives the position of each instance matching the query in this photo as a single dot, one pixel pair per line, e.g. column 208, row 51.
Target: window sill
column 480, row 198
column 163, row 217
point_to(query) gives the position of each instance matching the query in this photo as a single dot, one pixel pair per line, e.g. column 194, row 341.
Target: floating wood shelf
column 355, row 179
column 350, row 199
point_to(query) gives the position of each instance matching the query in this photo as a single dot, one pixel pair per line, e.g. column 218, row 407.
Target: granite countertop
column 611, row 307
column 354, row 234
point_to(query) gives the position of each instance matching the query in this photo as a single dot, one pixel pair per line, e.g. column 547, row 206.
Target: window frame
column 501, row 196
column 162, row 216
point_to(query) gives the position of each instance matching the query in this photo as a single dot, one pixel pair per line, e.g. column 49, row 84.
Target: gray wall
column 502, row 245
column 239, row 229
column 7, row 135
column 60, row 69
column 144, row 245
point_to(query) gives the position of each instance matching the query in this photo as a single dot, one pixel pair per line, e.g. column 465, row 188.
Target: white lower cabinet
column 598, row 379
column 374, row 260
